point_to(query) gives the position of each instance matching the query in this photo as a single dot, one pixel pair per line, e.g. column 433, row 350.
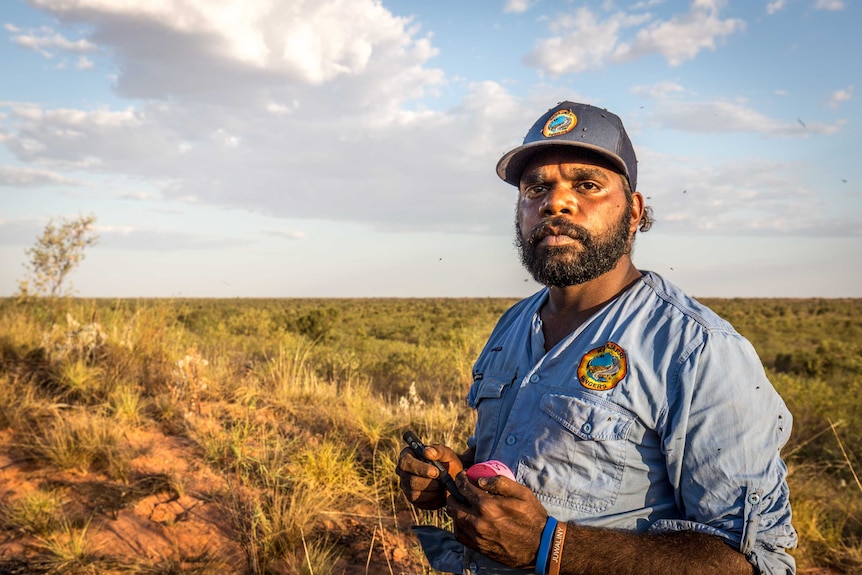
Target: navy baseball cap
column 572, row 124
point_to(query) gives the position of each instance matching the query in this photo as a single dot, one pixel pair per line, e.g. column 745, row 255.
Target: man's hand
column 504, row 520
column 419, row 479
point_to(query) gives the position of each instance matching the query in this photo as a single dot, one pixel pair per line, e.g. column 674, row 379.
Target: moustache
column 557, row 226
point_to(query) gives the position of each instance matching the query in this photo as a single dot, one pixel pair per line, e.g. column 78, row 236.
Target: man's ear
column 637, row 212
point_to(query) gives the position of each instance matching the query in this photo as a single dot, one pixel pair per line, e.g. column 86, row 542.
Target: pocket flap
column 588, row 420
column 490, row 386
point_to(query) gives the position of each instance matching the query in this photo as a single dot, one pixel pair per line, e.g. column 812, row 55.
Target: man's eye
column 589, row 186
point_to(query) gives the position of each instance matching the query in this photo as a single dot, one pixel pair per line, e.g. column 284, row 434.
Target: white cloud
column 310, row 42
column 225, row 122
column 227, row 118
column 287, row 234
column 659, row 90
column 143, row 239
column 833, row 5
column 70, row 118
column 517, row 6
column 644, row 4
column 277, row 108
column 16, row 177
column 44, row 40
column 84, row 63
column 677, row 108
column 225, row 138
column 723, row 117
column 137, row 196
column 682, row 37
column 216, row 131
column 775, row 6
column 748, row 197
column 585, row 41
column 839, row 96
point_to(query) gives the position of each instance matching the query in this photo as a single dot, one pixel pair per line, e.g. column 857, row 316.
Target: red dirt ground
column 147, row 523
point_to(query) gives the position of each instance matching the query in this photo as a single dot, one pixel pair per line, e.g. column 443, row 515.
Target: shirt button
column 754, row 498
column 535, row 378
column 473, row 567
column 587, row 427
column 510, row 440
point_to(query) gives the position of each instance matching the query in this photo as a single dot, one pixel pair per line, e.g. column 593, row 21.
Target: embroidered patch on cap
column 603, row 368
column 562, row 122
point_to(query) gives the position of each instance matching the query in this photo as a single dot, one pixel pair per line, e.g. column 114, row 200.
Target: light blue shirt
column 654, row 415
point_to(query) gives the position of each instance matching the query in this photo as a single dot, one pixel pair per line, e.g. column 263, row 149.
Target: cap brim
column 512, row 164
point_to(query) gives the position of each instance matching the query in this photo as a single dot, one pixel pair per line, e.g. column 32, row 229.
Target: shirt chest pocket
column 577, row 455
column 486, row 397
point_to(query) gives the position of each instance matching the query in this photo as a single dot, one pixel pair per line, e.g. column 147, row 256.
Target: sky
column 346, row 148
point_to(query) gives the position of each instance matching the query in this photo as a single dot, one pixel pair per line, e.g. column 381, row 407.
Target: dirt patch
column 166, row 518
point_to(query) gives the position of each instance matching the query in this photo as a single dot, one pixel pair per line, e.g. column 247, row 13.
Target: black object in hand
column 418, row 449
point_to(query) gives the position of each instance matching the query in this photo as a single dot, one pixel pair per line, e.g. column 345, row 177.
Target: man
column 641, row 429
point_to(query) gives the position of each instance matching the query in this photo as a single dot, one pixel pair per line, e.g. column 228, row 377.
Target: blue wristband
column 545, row 546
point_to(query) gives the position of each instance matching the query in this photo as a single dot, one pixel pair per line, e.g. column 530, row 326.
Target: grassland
column 260, row 436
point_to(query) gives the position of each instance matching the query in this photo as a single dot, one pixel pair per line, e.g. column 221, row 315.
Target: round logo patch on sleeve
column 603, row 368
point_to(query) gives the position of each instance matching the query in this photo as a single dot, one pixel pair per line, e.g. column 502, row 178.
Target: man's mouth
column 556, row 234
column 556, row 240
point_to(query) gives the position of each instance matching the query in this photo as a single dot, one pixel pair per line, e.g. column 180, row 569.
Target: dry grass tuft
column 77, row 440
column 830, row 535
column 66, row 551
column 36, row 513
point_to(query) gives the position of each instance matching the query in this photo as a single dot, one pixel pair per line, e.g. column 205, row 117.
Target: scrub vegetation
column 260, row 436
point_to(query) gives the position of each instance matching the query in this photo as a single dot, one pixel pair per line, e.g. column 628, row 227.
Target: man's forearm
column 612, row 552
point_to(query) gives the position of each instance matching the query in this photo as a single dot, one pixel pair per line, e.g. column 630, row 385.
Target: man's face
column 574, row 219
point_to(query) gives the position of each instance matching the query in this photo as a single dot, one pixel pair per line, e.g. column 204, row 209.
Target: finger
column 500, row 485
column 464, row 519
column 470, row 492
column 422, row 492
column 415, row 484
column 458, row 512
column 410, row 464
column 446, row 456
column 426, row 499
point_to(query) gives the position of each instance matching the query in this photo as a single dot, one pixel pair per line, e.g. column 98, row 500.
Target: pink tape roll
column 490, row 468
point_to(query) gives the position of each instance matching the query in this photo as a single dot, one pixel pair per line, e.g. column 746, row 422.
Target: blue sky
column 347, row 147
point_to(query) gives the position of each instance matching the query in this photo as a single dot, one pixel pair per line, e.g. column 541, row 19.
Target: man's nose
column 559, row 200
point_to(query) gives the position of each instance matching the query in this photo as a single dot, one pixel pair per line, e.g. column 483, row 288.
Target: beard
column 572, row 264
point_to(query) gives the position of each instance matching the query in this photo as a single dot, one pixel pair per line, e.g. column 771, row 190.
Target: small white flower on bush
column 412, row 401
column 189, row 380
column 76, row 340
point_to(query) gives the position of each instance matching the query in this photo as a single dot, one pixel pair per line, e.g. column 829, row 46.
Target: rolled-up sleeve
column 723, row 431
